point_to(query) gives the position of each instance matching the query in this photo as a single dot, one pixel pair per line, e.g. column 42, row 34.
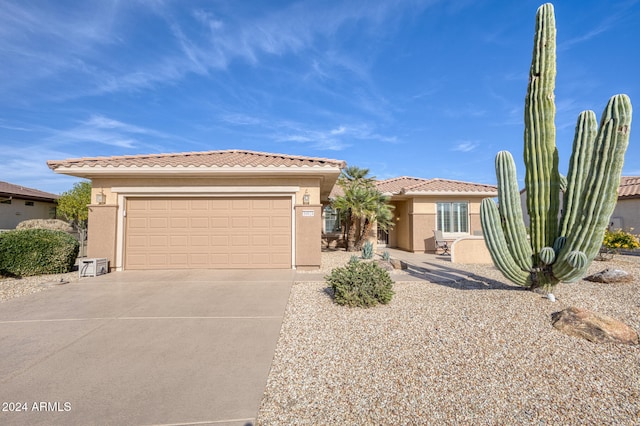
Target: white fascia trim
column 204, row 190
column 171, row 170
column 460, row 194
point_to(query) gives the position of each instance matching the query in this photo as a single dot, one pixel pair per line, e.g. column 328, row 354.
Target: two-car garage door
column 212, row 233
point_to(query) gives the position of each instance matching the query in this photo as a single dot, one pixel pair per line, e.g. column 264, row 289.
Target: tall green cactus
column 556, row 249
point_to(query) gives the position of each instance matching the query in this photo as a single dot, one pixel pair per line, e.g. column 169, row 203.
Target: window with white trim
column 331, row 219
column 453, row 218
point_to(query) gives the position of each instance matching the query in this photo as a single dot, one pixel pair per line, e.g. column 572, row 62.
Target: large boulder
column 592, row 326
column 610, row 276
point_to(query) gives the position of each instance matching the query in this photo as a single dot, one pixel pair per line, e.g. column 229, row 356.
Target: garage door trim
column 191, row 192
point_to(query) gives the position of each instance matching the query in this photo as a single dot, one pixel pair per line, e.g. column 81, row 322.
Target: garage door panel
column 283, row 222
column 199, row 222
column 159, row 205
column 208, row 233
column 158, row 241
column 179, row 204
column 199, row 240
column 179, row 222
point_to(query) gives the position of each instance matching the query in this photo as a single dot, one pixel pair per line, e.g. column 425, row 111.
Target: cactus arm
column 601, row 189
column 497, row 244
column 542, row 179
column 583, row 141
column 511, row 211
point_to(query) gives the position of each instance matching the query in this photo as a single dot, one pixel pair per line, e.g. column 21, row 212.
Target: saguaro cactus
column 557, row 249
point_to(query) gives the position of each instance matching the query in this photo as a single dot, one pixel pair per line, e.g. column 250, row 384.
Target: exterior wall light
column 306, row 198
column 101, row 198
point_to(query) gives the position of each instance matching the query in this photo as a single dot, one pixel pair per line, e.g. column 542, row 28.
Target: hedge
column 29, row 252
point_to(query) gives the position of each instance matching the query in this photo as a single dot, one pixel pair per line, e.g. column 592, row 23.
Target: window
column 331, row 219
column 453, row 217
column 28, row 203
column 7, row 201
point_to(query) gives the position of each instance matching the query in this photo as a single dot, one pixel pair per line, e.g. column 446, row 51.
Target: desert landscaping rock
column 610, row 276
column 470, row 350
column 594, row 327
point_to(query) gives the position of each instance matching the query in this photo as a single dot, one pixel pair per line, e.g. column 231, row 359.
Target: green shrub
column 53, row 224
column 620, row 239
column 354, row 259
column 362, row 284
column 367, row 250
column 36, row 251
column 386, row 256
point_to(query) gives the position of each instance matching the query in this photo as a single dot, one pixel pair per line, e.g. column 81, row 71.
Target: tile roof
column 629, row 187
column 396, row 185
column 9, row 189
column 225, row 158
column 410, row 185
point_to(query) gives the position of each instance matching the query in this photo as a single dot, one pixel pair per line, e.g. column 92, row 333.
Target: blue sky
column 422, row 88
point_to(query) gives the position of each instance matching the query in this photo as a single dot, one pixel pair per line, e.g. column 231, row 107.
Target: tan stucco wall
column 470, row 250
column 308, row 236
column 12, row 214
column 628, row 213
column 103, row 220
column 417, row 220
column 399, row 236
column 310, row 185
column 422, row 232
column 101, row 238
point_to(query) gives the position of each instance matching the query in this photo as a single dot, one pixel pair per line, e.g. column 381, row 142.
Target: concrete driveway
column 142, row 348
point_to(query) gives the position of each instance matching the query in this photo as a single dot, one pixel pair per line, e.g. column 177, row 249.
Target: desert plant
column 363, row 206
column 386, row 256
column 363, row 284
column 36, row 251
column 52, row 224
column 354, row 259
column 559, row 250
column 619, row 239
column 367, row 250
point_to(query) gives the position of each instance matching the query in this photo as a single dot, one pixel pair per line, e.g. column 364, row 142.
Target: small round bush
column 29, row 252
column 363, row 284
column 52, row 224
column 620, row 239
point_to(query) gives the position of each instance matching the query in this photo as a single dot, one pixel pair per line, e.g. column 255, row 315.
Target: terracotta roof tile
column 225, row 158
column 629, row 187
column 446, row 185
column 396, row 185
column 404, row 184
column 10, row 189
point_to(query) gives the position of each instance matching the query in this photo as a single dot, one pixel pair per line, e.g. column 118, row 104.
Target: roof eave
column 96, row 171
column 456, row 193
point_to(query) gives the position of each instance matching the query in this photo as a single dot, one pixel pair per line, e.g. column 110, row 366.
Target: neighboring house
column 626, row 214
column 18, row 203
column 210, row 210
column 420, row 207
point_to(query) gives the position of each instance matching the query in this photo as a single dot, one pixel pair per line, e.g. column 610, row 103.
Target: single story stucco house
column 216, row 209
column 424, row 205
column 19, row 203
column 244, row 209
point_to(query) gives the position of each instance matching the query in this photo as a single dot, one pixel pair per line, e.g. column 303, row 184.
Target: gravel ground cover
column 461, row 347
column 16, row 287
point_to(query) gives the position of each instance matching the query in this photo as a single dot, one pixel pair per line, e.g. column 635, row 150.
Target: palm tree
column 362, row 204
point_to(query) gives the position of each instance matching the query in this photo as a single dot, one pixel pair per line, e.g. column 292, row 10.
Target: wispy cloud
column 466, row 146
column 333, row 139
column 106, row 131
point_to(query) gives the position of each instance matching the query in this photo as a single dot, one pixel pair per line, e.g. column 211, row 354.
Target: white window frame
column 453, row 235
